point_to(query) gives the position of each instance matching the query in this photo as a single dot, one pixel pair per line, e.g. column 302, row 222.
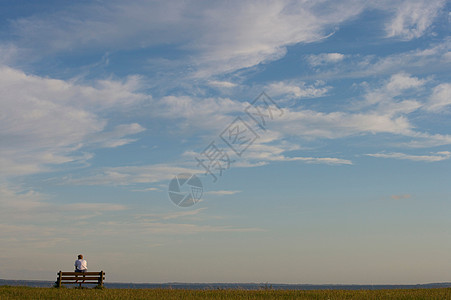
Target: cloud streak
column 400, row 197
column 222, row 192
column 325, row 58
column 435, row 157
column 130, row 175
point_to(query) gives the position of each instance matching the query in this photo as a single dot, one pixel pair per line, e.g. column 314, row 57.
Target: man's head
column 80, row 256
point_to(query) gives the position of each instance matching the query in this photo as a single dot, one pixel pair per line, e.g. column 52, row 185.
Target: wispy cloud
column 151, row 189
column 222, row 192
column 399, row 197
column 297, row 89
column 272, row 149
column 114, row 138
column 130, row 175
column 222, row 84
column 321, row 160
column 19, row 199
column 426, row 140
column 8, row 53
column 197, row 113
column 440, row 99
column 313, row 124
column 413, row 18
column 183, row 228
column 325, row 58
column 434, row 56
column 438, row 156
column 172, row 215
column 19, row 205
column 94, row 207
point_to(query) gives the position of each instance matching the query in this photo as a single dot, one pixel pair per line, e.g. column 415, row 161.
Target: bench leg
column 60, row 277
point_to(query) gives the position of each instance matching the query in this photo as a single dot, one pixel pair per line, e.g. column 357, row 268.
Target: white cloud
column 389, row 99
column 325, row 58
column 413, row 18
column 221, row 84
column 256, row 32
column 440, row 98
column 48, row 121
column 321, row 160
column 402, row 81
column 438, row 156
column 294, row 89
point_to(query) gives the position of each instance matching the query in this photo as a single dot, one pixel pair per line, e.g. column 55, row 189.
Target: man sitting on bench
column 81, row 265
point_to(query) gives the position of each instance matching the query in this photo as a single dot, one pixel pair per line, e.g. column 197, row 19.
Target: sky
column 320, row 133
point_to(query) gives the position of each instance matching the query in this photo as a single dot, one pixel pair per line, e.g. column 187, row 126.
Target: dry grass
column 9, row 292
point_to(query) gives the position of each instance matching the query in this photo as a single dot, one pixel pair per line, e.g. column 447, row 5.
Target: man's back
column 81, row 265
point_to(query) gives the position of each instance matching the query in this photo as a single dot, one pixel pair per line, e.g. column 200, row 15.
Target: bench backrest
column 80, row 277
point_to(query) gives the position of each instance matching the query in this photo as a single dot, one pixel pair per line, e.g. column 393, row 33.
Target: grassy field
column 9, row 292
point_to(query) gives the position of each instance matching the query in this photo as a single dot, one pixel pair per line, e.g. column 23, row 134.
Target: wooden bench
column 80, row 278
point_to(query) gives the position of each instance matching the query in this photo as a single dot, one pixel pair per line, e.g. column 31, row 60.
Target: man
column 81, row 265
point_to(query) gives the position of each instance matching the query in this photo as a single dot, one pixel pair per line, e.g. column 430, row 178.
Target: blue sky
column 104, row 102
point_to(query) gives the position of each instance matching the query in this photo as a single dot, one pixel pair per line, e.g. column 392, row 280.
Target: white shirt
column 81, row 264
